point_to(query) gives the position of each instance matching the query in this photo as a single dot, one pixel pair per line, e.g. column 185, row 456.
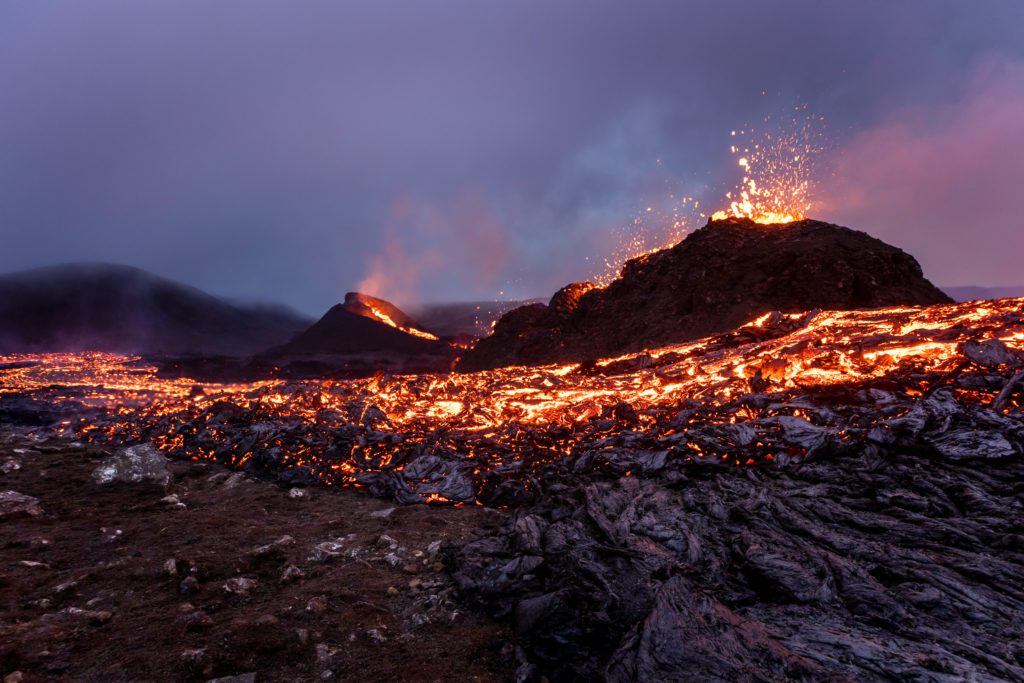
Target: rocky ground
column 815, row 497
column 864, row 566
column 214, row 574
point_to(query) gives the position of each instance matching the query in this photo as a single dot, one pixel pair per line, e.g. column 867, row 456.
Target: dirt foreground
column 219, row 575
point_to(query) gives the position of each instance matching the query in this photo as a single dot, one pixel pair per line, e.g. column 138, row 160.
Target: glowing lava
column 777, row 171
column 513, row 422
column 383, row 317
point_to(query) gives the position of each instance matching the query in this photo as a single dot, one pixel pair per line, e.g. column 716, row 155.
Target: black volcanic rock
column 718, row 278
column 357, row 326
column 106, row 307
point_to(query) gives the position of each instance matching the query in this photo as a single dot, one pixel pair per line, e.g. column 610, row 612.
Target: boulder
column 14, row 504
column 134, row 465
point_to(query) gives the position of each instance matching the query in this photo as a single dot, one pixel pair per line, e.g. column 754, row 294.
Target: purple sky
column 457, row 150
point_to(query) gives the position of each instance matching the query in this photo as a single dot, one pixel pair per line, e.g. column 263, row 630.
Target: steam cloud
column 460, row 240
column 944, row 181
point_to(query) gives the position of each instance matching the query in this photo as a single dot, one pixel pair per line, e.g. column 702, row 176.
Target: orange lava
column 489, row 416
column 383, row 317
column 777, row 171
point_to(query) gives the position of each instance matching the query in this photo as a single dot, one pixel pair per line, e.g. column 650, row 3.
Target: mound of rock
column 718, row 278
column 363, row 324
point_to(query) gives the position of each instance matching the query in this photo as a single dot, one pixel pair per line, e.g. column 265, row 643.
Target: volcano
column 719, row 277
column 363, row 324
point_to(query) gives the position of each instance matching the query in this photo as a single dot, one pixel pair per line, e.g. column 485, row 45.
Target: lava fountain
column 777, row 175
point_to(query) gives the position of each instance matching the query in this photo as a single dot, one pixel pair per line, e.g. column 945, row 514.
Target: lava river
column 782, row 388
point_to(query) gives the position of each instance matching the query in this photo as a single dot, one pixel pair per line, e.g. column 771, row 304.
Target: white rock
column 240, row 585
column 328, row 549
column 134, row 465
column 14, row 504
column 234, row 480
column 172, row 501
column 291, row 573
column 285, row 541
column 239, row 678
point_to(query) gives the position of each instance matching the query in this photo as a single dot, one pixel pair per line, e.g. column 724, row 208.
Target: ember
column 777, row 171
column 776, row 188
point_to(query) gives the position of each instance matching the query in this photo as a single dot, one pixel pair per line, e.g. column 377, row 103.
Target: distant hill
column 108, row 307
column 363, row 324
column 970, row 293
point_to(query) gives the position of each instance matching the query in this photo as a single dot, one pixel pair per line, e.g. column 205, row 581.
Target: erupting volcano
column 777, row 173
column 656, row 438
column 719, row 277
column 703, row 458
column 614, row 394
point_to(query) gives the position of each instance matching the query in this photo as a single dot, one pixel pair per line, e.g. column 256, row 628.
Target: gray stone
column 285, row 541
column 188, row 585
column 14, row 504
column 134, row 465
column 234, row 480
column 291, row 573
column 329, row 549
column 957, row 445
column 172, row 501
column 991, row 353
column 240, row 585
column 239, row 678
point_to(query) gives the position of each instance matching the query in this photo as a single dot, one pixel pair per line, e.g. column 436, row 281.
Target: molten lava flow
column 456, row 438
column 388, row 320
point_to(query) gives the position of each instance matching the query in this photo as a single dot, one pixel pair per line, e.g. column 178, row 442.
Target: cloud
column 258, row 149
column 459, row 242
column 943, row 181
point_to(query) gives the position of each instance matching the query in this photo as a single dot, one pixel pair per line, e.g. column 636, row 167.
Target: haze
column 478, row 150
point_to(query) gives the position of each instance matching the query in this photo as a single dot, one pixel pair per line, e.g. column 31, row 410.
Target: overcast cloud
column 292, row 151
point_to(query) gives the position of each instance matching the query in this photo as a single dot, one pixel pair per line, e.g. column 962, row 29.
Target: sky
column 469, row 150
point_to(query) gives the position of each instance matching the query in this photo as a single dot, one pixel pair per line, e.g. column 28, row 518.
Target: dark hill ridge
column 107, row 307
column 716, row 279
column 975, row 293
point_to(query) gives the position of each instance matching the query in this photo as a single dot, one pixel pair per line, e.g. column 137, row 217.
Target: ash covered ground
column 823, row 495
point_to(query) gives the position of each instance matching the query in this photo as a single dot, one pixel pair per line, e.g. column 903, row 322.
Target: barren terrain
column 109, row 583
